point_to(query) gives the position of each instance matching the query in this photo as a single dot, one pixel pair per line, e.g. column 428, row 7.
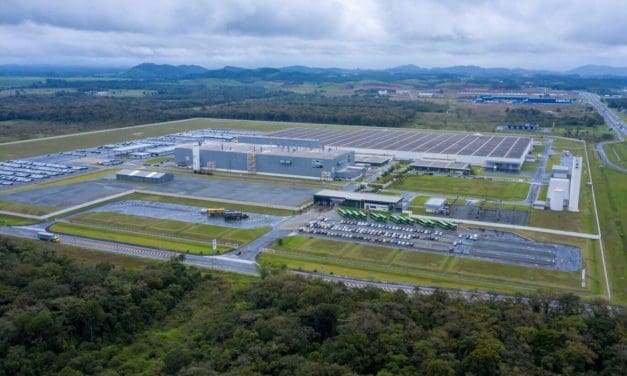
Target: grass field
column 167, row 228
column 7, row 220
column 611, row 191
column 120, row 236
column 18, row 207
column 617, row 153
column 465, row 187
column 158, row 160
column 543, row 191
column 395, row 265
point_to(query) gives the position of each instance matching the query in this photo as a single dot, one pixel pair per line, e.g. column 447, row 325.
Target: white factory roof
column 359, row 196
column 560, row 168
column 558, row 185
column 142, row 173
column 435, row 201
column 258, row 149
column 161, row 149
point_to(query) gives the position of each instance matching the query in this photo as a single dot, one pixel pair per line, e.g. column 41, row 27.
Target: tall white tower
column 196, row 158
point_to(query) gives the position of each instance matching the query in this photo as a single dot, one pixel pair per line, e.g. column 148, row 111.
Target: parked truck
column 48, row 236
column 234, row 215
column 213, row 211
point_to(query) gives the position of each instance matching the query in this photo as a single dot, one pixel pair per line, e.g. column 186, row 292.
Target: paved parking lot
column 63, row 196
column 496, row 246
column 186, row 213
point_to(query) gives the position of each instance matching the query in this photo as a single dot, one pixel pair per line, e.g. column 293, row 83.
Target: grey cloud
column 365, row 33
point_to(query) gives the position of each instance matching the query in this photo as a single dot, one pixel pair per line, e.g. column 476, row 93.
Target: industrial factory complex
column 330, row 154
column 205, row 192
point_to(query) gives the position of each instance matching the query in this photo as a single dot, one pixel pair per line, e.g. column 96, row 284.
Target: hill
column 163, row 71
column 599, row 70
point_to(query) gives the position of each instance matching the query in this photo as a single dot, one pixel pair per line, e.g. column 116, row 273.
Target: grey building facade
column 271, row 160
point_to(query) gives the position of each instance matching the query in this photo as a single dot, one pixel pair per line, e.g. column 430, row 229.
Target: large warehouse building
column 302, row 162
column 498, row 152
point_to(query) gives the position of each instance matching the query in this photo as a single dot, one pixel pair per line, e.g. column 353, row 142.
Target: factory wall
column 289, row 164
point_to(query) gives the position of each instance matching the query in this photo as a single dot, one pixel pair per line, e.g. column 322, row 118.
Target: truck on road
column 48, row 236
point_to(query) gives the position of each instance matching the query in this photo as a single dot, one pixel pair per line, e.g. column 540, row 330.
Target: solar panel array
column 415, row 141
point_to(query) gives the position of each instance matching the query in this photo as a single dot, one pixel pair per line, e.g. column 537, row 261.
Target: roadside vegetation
column 174, row 320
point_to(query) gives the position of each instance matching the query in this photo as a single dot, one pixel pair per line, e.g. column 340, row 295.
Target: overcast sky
column 548, row 34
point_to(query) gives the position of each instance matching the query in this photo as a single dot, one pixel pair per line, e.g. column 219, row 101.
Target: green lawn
column 611, row 191
column 543, row 191
column 169, row 228
column 465, row 187
column 554, row 160
column 7, row 220
column 158, row 160
column 153, row 241
column 395, row 265
column 617, row 153
column 18, row 207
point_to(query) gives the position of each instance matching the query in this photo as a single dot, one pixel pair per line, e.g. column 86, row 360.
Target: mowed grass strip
column 611, row 189
column 164, row 227
column 19, row 207
column 466, row 187
column 397, row 265
column 9, row 220
column 151, row 241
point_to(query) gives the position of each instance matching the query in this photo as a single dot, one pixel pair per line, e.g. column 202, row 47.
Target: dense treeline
column 60, row 315
column 77, row 111
column 619, row 103
column 52, row 309
column 546, row 119
column 311, row 109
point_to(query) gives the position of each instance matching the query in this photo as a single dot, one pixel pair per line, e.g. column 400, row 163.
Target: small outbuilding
column 435, row 204
column 141, row 176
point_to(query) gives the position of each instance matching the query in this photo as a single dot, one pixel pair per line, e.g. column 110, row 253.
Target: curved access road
column 605, row 159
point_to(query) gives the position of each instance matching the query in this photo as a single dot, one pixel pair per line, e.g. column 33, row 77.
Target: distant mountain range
column 599, row 70
column 170, row 72
column 165, row 71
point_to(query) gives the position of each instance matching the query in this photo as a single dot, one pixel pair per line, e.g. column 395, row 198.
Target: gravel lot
column 185, row 213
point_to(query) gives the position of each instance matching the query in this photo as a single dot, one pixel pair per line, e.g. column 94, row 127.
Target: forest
column 62, row 316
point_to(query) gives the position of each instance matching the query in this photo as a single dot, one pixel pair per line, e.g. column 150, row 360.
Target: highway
column 611, row 119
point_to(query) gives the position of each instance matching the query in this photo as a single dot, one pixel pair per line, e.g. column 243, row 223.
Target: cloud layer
column 361, row 33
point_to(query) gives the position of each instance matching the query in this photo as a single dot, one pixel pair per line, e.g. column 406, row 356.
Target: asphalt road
column 611, row 119
column 226, row 263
